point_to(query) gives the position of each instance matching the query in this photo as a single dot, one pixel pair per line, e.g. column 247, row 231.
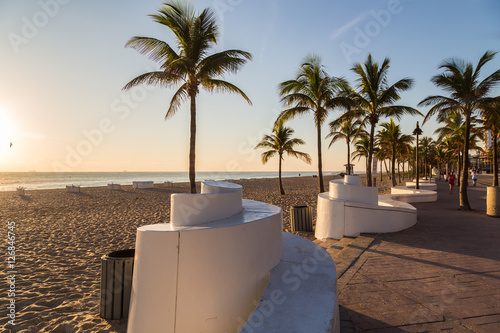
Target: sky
column 63, row 65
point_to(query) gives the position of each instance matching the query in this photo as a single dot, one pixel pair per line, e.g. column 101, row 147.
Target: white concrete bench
column 143, row 184
column 72, row 189
column 207, row 269
column 422, row 186
column 301, row 294
column 350, row 209
column 410, row 195
column 114, row 187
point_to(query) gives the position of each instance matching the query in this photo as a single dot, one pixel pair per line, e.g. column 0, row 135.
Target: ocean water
column 9, row 181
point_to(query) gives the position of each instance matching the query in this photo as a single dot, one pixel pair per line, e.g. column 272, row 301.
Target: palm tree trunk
column 348, row 158
column 320, row 164
column 192, row 145
column 370, row 156
column 279, row 175
column 464, row 200
column 393, row 166
column 495, row 160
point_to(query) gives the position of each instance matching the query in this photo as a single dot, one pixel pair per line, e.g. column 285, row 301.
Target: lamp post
column 417, row 131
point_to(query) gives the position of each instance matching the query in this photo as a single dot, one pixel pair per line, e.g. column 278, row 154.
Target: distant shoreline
column 10, row 181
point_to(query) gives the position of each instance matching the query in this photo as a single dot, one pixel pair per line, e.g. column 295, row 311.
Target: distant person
column 474, row 177
column 451, row 181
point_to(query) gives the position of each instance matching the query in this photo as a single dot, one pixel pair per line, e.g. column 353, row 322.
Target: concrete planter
column 493, row 201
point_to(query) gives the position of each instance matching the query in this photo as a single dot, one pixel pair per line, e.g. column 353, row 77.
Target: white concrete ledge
column 143, row 184
column 422, row 186
column 338, row 217
column 206, row 277
column 114, row 187
column 350, row 189
column 301, row 294
column 409, row 195
column 218, row 200
column 72, row 189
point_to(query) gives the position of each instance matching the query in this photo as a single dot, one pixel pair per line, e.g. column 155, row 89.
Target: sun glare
column 6, row 130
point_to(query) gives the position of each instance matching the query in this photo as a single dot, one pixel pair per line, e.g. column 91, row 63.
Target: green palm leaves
column 312, row 91
column 190, row 63
column 467, row 95
column 391, row 138
column 375, row 98
column 279, row 143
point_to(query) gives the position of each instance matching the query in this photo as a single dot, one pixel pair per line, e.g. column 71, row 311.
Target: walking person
column 474, row 177
column 451, row 181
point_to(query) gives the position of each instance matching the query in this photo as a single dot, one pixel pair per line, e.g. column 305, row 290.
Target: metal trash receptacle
column 301, row 217
column 116, row 284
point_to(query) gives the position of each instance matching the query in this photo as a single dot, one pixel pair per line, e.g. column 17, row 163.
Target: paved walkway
column 441, row 275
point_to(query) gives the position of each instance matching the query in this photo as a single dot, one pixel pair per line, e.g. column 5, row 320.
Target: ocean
column 9, row 181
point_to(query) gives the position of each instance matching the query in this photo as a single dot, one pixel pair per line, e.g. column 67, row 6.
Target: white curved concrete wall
column 301, row 295
column 351, row 190
column 423, row 186
column 410, row 195
column 208, row 277
column 348, row 210
column 218, row 200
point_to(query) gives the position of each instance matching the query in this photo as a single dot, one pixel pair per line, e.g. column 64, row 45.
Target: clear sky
column 63, row 64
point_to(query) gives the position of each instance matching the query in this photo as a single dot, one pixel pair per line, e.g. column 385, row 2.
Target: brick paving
column 441, row 275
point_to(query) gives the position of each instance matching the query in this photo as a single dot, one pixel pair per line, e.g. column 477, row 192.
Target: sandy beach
column 60, row 238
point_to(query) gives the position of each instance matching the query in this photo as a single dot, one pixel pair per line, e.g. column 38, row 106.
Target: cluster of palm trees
column 466, row 110
column 190, row 66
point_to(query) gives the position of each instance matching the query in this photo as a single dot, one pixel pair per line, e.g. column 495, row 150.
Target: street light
column 417, row 131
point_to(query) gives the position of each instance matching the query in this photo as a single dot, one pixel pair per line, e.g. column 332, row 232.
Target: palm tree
column 467, row 95
column 313, row 90
column 361, row 147
column 375, row 98
column 190, row 65
column 391, row 137
column 491, row 122
column 344, row 128
column 280, row 142
column 427, row 145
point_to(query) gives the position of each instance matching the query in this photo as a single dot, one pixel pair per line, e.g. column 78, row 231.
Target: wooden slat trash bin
column 116, row 284
column 301, row 217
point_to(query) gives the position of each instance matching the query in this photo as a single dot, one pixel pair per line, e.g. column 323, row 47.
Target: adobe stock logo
column 365, row 33
column 31, row 27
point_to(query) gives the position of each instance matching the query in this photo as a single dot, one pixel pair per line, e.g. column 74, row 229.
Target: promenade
column 441, row 275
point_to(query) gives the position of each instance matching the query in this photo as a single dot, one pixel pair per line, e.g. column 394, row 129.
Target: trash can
column 116, row 283
column 301, row 217
column 493, row 201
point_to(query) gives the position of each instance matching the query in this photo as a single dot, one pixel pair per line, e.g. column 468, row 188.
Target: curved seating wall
column 410, row 195
column 205, row 277
column 217, row 200
column 301, row 295
column 338, row 217
column 422, row 186
column 350, row 189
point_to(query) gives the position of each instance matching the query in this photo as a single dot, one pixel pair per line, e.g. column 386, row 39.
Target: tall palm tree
column 344, row 128
column 491, row 122
column 391, row 137
column 427, row 145
column 467, row 95
column 281, row 142
column 313, row 90
column 375, row 98
column 361, row 147
column 191, row 65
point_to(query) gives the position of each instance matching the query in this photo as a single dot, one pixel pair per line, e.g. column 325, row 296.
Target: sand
column 61, row 237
